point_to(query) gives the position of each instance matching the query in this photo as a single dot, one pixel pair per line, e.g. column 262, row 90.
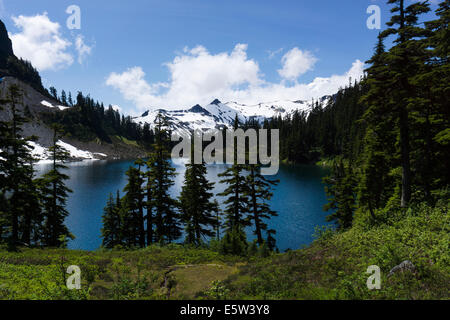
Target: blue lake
column 298, row 200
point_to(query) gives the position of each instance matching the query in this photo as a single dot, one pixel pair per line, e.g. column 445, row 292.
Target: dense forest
column 87, row 119
column 388, row 134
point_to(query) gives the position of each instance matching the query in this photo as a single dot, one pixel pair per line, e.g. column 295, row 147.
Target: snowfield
column 49, row 105
column 44, row 156
column 217, row 114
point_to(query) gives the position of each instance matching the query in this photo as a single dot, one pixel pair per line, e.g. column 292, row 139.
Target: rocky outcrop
column 34, row 109
column 402, row 267
column 6, row 49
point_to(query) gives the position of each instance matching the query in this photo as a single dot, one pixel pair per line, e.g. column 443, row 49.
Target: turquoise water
column 298, row 199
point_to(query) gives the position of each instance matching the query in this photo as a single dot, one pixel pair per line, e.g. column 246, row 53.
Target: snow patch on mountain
column 49, row 105
column 43, row 155
column 218, row 115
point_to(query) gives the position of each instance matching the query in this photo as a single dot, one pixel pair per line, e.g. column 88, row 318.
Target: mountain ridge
column 217, row 115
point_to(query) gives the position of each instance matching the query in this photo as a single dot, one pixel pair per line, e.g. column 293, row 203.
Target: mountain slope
column 218, row 115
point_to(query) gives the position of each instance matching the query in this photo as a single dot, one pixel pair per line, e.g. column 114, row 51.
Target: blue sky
column 174, row 53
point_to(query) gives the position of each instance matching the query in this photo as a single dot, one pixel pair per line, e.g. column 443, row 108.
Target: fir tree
column 259, row 193
column 16, row 166
column 234, row 242
column 401, row 62
column 54, row 194
column 236, row 193
column 69, row 99
column 111, row 223
column 133, row 206
column 196, row 204
column 376, row 184
column 63, row 98
column 161, row 173
column 340, row 189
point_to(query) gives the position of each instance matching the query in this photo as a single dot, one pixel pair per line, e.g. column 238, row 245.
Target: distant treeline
column 147, row 214
column 87, row 119
column 389, row 134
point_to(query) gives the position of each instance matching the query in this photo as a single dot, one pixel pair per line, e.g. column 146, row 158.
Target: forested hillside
column 385, row 138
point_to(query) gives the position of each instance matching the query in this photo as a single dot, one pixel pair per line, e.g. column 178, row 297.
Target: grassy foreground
column 333, row 267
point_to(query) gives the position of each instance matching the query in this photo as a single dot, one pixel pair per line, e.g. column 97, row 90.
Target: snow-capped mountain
column 217, row 114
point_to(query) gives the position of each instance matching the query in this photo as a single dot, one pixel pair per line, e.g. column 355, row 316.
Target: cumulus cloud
column 133, row 87
column 198, row 76
column 295, row 63
column 82, row 48
column 40, row 41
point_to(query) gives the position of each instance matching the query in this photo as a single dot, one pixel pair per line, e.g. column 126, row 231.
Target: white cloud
column 197, row 76
column 83, row 49
column 40, row 41
column 133, row 87
column 295, row 63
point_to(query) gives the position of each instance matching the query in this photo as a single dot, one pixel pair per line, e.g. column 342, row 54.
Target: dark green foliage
column 16, row 168
column 403, row 61
column 393, row 125
column 54, row 194
column 259, row 192
column 234, row 242
column 33, row 210
column 326, row 131
column 24, row 71
column 161, row 174
column 341, row 192
column 88, row 120
column 133, row 209
column 196, row 204
column 376, row 183
column 236, row 193
column 112, row 224
column 147, row 213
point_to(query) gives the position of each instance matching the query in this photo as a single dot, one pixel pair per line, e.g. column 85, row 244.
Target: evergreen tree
column 259, row 193
column 63, row 98
column 69, row 99
column 431, row 113
column 54, row 194
column 150, row 186
column 111, row 230
column 218, row 223
column 401, row 61
column 196, row 204
column 234, row 242
column 133, row 208
column 54, row 93
column 236, row 193
column 161, row 173
column 340, row 188
column 31, row 225
column 16, row 168
column 376, row 184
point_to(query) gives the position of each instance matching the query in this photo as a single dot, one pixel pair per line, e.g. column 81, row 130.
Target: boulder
column 402, row 267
